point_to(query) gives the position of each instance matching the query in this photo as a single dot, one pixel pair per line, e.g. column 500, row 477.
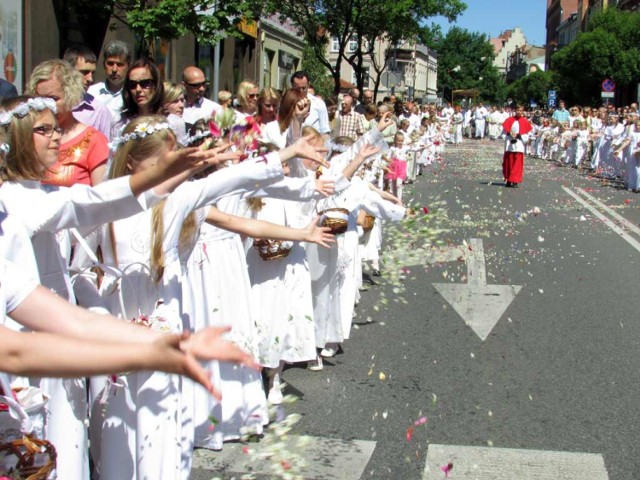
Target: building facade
column 505, row 45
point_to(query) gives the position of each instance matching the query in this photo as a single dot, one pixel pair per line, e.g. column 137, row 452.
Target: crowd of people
column 151, row 230
column 603, row 141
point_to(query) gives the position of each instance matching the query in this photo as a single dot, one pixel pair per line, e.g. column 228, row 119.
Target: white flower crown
column 186, row 141
column 334, row 147
column 4, row 148
column 140, row 131
column 22, row 109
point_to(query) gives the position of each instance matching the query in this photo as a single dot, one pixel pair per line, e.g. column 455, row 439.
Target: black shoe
column 508, row 184
column 515, row 185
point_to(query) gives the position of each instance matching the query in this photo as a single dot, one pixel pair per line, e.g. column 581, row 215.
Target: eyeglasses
column 253, row 95
column 197, row 85
column 47, row 130
column 145, row 84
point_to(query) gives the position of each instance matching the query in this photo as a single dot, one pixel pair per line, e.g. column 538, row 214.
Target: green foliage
column 473, row 53
column 207, row 20
column 318, row 74
column 364, row 21
column 534, row 86
column 609, row 49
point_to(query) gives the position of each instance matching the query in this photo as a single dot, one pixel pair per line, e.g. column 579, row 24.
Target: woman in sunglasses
column 247, row 98
column 143, row 93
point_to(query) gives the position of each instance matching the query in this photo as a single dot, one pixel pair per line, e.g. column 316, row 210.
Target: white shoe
column 275, row 395
column 330, row 350
column 315, row 365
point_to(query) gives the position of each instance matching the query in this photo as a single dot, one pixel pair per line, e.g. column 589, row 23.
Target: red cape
column 525, row 126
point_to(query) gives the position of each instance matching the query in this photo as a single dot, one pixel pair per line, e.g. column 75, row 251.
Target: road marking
column 326, row 458
column 480, row 305
column 611, row 212
column 607, row 221
column 488, row 463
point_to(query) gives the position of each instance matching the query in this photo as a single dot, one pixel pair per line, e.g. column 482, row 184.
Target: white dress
column 148, row 428
column 46, row 212
column 218, row 278
column 281, row 289
column 219, row 255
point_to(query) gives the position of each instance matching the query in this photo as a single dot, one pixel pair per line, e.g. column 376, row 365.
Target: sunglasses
column 47, row 130
column 145, row 84
column 197, row 85
column 253, row 95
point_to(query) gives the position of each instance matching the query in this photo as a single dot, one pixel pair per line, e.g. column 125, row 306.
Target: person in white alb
column 480, row 118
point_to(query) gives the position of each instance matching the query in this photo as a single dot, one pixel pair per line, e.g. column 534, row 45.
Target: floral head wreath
column 22, row 109
column 334, row 147
column 186, row 141
column 4, row 148
column 141, row 131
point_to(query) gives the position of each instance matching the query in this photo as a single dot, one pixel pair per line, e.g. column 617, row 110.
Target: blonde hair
column 224, row 96
column 70, row 81
column 22, row 162
column 172, row 92
column 317, row 136
column 243, row 91
column 137, row 150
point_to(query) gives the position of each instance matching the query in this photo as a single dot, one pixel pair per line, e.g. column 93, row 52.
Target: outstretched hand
column 368, row 150
column 208, row 344
column 385, row 121
column 319, row 235
column 325, row 187
column 304, row 149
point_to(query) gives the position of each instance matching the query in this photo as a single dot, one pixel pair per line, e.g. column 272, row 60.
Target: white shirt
column 204, row 108
column 318, row 117
column 112, row 100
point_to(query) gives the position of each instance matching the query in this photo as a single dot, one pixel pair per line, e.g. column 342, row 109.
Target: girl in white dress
column 148, row 431
column 46, row 212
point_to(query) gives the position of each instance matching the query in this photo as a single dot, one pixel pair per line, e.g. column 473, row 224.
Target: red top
column 525, row 126
column 78, row 158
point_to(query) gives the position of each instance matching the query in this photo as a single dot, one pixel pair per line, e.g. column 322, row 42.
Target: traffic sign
column 608, row 85
column 551, row 98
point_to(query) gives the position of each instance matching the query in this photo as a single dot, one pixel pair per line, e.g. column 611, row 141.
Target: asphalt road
column 559, row 371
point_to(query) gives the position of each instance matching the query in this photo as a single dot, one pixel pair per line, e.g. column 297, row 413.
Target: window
column 354, row 79
column 353, row 45
column 335, row 44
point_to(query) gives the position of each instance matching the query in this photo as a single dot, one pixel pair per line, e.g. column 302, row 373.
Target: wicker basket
column 337, row 219
column 272, row 249
column 35, row 459
column 367, row 225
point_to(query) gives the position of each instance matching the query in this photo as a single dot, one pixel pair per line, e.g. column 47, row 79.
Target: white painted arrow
column 480, row 305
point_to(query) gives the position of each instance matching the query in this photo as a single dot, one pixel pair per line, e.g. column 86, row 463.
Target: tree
column 465, row 62
column 534, row 86
column 608, row 49
column 207, row 20
column 358, row 23
column 318, row 75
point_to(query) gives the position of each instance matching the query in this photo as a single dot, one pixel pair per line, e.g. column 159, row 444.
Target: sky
column 495, row 16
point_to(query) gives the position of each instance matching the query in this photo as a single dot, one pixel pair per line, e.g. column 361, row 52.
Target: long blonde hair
column 137, row 150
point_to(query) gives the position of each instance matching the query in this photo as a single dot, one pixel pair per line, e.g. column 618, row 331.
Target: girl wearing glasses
column 82, row 151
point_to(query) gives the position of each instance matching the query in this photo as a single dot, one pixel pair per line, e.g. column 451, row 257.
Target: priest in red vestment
column 517, row 129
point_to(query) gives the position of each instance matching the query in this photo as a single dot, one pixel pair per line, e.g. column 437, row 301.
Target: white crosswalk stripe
column 326, row 458
column 488, row 463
